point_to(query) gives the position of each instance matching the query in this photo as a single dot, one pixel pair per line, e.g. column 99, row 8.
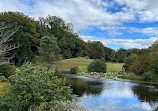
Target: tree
column 153, row 49
column 109, row 54
column 56, row 26
column 129, row 60
column 49, row 50
column 69, row 42
column 5, row 37
column 97, row 49
column 97, row 66
column 26, row 36
column 141, row 65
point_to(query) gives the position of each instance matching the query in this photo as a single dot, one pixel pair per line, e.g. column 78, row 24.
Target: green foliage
column 147, row 76
column 35, row 86
column 153, row 67
column 140, row 65
column 97, row 50
column 69, row 42
column 35, row 60
column 109, row 55
column 97, row 66
column 154, row 49
column 122, row 54
column 129, row 60
column 25, row 23
column 23, row 52
column 48, row 50
column 26, row 37
column 75, row 70
column 7, row 70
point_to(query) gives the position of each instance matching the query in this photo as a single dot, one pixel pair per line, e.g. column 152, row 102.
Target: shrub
column 147, row 76
column 35, row 60
column 7, row 70
column 35, row 86
column 129, row 60
column 68, row 106
column 140, row 65
column 126, row 67
column 3, row 88
column 97, row 66
column 75, row 70
column 154, row 66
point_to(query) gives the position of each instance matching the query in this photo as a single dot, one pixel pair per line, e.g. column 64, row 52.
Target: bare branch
column 6, row 33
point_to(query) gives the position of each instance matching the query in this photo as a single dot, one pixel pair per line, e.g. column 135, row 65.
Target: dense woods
column 30, row 33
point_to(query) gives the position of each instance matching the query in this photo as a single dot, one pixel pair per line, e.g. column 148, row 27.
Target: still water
column 113, row 95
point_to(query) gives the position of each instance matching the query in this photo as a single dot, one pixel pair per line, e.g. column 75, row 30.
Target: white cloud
column 87, row 13
column 131, row 43
column 145, row 10
column 116, row 30
column 81, row 13
column 151, row 31
column 125, row 43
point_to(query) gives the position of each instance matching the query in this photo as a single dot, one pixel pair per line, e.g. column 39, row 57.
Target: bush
column 68, row 106
column 140, row 65
column 34, row 86
column 147, row 76
column 35, row 60
column 154, row 66
column 75, row 70
column 7, row 70
column 97, row 66
column 126, row 67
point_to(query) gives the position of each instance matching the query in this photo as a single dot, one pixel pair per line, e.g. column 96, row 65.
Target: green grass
column 67, row 64
column 131, row 77
column 114, row 66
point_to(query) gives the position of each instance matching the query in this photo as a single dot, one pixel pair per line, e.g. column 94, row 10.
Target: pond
column 113, row 95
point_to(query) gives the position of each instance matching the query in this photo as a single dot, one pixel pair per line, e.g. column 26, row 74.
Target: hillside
column 67, row 64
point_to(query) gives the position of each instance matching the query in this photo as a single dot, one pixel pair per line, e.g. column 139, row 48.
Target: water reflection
column 81, row 85
column 111, row 95
column 147, row 93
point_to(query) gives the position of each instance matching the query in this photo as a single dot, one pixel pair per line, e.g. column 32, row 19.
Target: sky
column 116, row 23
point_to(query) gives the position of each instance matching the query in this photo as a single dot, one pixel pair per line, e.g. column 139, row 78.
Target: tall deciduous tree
column 97, row 49
column 69, row 42
column 49, row 50
column 154, row 49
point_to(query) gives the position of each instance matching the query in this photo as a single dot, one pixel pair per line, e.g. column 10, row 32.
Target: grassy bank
column 131, row 77
column 138, row 78
column 64, row 66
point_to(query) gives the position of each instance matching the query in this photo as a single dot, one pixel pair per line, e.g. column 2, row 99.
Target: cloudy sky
column 117, row 23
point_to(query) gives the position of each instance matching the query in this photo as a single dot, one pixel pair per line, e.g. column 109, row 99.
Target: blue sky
column 116, row 23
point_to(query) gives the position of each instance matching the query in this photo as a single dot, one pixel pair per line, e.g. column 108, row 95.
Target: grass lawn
column 67, row 64
column 114, row 66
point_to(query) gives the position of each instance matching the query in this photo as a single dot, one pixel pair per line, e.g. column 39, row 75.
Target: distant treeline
column 29, row 32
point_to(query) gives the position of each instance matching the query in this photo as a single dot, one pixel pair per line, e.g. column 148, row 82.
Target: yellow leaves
column 4, row 88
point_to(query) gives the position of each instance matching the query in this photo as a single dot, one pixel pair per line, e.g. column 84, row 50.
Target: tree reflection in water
column 147, row 93
column 83, row 86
